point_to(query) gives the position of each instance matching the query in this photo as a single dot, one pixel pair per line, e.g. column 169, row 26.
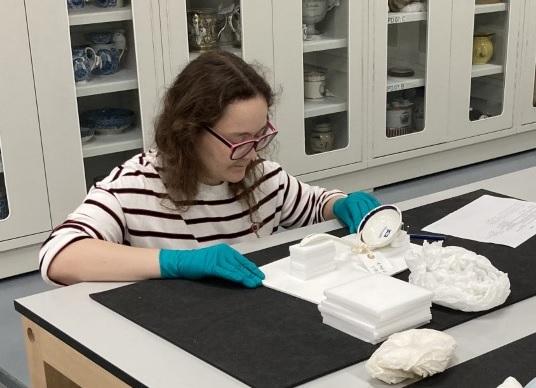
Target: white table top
column 156, row 362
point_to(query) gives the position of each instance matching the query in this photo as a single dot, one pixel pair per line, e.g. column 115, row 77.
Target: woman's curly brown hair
column 198, row 98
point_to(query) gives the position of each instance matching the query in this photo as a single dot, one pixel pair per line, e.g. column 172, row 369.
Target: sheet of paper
column 490, row 219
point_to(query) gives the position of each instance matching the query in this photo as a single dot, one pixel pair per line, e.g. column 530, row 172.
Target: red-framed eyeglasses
column 239, row 150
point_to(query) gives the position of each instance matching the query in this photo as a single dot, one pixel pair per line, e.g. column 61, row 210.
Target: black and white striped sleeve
column 303, row 204
column 99, row 217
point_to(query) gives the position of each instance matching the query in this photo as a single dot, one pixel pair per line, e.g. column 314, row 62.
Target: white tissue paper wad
column 460, row 279
column 411, row 353
column 510, row 382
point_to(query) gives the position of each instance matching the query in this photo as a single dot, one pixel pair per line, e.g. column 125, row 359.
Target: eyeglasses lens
column 244, row 149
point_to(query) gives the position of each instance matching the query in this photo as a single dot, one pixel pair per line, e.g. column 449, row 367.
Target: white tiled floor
column 12, row 356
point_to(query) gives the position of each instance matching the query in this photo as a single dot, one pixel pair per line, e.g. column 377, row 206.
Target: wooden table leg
column 53, row 363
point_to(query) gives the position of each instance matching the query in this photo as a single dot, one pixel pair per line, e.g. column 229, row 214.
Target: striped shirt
column 129, row 207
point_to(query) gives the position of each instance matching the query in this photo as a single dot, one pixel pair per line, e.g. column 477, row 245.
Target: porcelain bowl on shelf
column 107, row 121
column 86, row 134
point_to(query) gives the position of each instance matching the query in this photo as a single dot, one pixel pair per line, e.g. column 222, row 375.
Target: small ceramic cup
column 314, row 84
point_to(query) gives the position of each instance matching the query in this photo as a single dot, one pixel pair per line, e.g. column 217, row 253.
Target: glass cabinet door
column 24, row 208
column 96, row 80
column 411, row 58
column 318, row 64
column 527, row 95
column 484, row 45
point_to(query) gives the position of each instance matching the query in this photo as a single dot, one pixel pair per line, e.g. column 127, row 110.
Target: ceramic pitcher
column 482, row 48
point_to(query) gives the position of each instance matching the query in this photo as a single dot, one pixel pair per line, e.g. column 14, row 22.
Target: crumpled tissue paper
column 460, row 279
column 411, row 353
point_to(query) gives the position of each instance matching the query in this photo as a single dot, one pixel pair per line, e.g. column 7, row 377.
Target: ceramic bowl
column 100, row 37
column 380, row 226
column 107, row 121
column 86, row 134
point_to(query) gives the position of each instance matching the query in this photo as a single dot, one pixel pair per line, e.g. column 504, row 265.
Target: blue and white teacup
column 85, row 60
column 109, row 57
column 76, row 3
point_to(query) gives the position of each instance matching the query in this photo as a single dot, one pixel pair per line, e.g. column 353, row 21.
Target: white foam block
column 341, row 311
column 312, row 272
column 364, row 335
column 313, row 255
column 383, row 330
column 378, row 297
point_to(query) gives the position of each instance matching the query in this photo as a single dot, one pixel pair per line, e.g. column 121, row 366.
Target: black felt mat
column 269, row 339
column 517, row 359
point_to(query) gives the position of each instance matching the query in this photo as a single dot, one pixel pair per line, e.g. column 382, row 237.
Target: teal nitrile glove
column 218, row 260
column 351, row 210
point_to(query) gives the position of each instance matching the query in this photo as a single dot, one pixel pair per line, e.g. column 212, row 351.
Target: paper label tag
column 377, row 265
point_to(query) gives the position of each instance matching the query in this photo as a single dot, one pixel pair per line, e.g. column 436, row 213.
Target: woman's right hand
column 218, row 260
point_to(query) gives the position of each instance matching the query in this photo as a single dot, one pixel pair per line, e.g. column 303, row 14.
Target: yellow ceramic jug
column 482, row 48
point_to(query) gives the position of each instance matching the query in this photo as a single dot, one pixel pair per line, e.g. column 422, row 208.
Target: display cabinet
column 447, row 69
column 410, row 59
column 97, row 82
column 484, row 47
column 23, row 192
column 318, row 66
column 527, row 88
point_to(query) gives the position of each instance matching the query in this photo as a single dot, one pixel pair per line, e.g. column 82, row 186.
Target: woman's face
column 242, row 120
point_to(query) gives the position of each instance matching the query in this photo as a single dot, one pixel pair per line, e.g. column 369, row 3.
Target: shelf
column 108, row 144
column 401, row 83
column 487, row 8
column 484, row 70
column 406, row 17
column 324, row 44
column 92, row 14
column 324, row 106
column 122, row 80
column 232, row 49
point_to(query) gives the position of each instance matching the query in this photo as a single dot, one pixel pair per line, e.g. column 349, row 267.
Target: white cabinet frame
column 20, row 138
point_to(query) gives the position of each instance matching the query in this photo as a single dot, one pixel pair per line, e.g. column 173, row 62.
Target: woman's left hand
column 351, row 209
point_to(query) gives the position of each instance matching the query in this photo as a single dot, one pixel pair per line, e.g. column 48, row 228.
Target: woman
column 173, row 211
